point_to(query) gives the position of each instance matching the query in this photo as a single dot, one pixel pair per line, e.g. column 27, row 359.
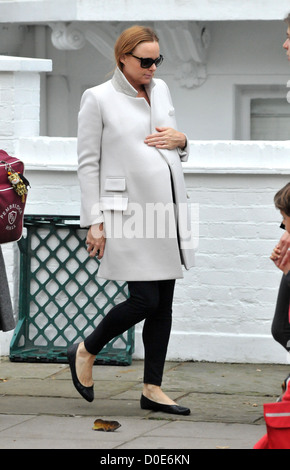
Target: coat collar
column 121, row 84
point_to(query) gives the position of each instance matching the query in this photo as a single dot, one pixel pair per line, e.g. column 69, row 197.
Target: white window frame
column 244, row 94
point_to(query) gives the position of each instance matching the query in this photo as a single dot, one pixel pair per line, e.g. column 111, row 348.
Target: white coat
column 136, row 190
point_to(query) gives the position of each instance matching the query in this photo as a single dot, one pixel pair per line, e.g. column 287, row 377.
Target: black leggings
column 281, row 324
column 149, row 300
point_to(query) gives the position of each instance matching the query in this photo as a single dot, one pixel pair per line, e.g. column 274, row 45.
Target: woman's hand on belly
column 166, row 138
column 96, row 241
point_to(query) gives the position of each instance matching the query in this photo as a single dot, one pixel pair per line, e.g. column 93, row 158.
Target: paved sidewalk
column 39, row 408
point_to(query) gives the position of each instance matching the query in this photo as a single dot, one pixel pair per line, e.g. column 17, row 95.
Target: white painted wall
column 132, row 10
column 241, row 54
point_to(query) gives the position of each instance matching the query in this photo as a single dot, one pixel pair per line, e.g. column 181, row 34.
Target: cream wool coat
column 136, row 190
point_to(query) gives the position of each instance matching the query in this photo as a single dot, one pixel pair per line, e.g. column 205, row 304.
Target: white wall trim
column 130, row 10
column 219, row 347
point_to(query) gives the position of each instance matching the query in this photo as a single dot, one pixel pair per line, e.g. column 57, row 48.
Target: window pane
column 270, row 119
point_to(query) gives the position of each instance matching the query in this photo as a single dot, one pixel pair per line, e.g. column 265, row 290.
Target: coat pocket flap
column 115, row 184
column 116, row 203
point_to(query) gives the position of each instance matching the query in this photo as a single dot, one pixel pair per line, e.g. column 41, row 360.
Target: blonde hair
column 282, row 199
column 130, row 38
column 287, row 19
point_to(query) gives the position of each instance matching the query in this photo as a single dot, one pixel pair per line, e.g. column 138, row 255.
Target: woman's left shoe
column 147, row 404
column 86, row 392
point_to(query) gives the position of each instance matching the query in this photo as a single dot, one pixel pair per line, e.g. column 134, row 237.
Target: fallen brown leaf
column 107, row 426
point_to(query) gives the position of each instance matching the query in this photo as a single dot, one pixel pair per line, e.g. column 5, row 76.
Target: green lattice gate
column 60, row 299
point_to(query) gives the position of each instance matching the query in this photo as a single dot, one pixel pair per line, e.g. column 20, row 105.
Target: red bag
column 277, row 419
column 13, row 194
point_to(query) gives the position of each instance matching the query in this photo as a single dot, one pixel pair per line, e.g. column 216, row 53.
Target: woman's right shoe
column 147, row 404
column 86, row 392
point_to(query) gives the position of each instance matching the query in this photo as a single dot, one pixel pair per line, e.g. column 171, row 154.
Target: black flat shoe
column 147, row 404
column 86, row 392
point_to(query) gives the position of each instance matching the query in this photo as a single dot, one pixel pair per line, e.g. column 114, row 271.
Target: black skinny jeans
column 281, row 324
column 150, row 301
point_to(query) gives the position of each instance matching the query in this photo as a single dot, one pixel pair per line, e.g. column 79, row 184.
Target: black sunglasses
column 148, row 62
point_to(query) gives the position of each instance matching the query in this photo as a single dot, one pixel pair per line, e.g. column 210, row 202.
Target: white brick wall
column 228, row 300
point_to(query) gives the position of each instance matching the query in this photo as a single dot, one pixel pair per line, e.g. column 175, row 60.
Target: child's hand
column 276, row 255
column 281, row 254
column 285, row 263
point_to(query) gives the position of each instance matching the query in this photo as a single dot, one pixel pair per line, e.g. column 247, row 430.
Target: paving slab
column 198, row 435
column 58, row 432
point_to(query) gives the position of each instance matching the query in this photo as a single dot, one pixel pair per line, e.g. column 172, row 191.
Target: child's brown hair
column 282, row 199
